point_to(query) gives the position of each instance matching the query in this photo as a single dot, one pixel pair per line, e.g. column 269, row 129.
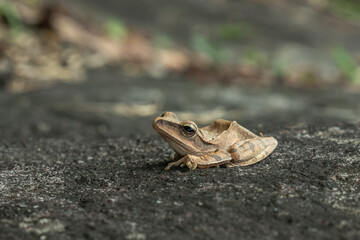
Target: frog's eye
column 189, row 129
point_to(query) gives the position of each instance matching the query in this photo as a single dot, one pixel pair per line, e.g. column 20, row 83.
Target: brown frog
column 221, row 143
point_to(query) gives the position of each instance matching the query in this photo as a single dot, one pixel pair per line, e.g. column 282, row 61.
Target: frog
column 222, row 143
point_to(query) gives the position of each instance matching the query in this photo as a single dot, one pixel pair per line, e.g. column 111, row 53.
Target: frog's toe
column 167, row 168
column 194, row 165
column 229, row 165
column 177, row 163
column 188, row 163
column 191, row 165
column 172, row 157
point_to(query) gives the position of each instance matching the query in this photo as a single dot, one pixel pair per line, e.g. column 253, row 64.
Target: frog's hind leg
column 251, row 151
column 207, row 160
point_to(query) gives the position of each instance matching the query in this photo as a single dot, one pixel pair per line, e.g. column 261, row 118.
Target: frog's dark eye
column 163, row 115
column 189, row 129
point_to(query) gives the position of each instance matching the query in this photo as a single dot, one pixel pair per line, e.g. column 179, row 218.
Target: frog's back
column 226, row 131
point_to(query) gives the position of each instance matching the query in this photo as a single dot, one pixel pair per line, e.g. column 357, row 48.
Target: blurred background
column 106, row 68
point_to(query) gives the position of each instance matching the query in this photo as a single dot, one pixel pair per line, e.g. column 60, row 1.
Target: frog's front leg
column 174, row 157
column 204, row 161
column 251, row 151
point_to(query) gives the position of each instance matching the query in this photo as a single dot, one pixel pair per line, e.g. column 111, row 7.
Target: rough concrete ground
column 117, row 189
column 69, row 170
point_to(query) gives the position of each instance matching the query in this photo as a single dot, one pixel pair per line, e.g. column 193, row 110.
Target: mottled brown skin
column 221, row 143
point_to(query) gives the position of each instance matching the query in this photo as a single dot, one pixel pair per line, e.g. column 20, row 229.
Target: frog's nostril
column 169, row 115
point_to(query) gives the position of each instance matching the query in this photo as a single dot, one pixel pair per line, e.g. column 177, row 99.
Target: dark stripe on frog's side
column 243, row 147
column 251, row 146
column 214, row 156
column 222, row 157
column 214, row 159
column 263, row 142
column 233, row 150
column 235, row 147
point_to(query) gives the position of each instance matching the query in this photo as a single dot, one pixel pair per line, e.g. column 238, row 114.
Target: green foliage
column 163, row 41
column 230, row 32
column 213, row 51
column 345, row 63
column 33, row 3
column 255, row 57
column 278, row 69
column 346, row 8
column 116, row 29
column 12, row 16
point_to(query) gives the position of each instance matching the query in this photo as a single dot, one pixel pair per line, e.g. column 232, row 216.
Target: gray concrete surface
column 98, row 107
column 74, row 167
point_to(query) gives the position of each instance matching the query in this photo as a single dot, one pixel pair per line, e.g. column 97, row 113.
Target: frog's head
column 183, row 136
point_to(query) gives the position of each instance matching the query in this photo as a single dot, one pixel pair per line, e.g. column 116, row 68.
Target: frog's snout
column 169, row 115
column 155, row 123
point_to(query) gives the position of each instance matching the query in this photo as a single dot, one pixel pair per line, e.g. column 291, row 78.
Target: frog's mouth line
column 165, row 134
column 170, row 138
column 177, row 145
